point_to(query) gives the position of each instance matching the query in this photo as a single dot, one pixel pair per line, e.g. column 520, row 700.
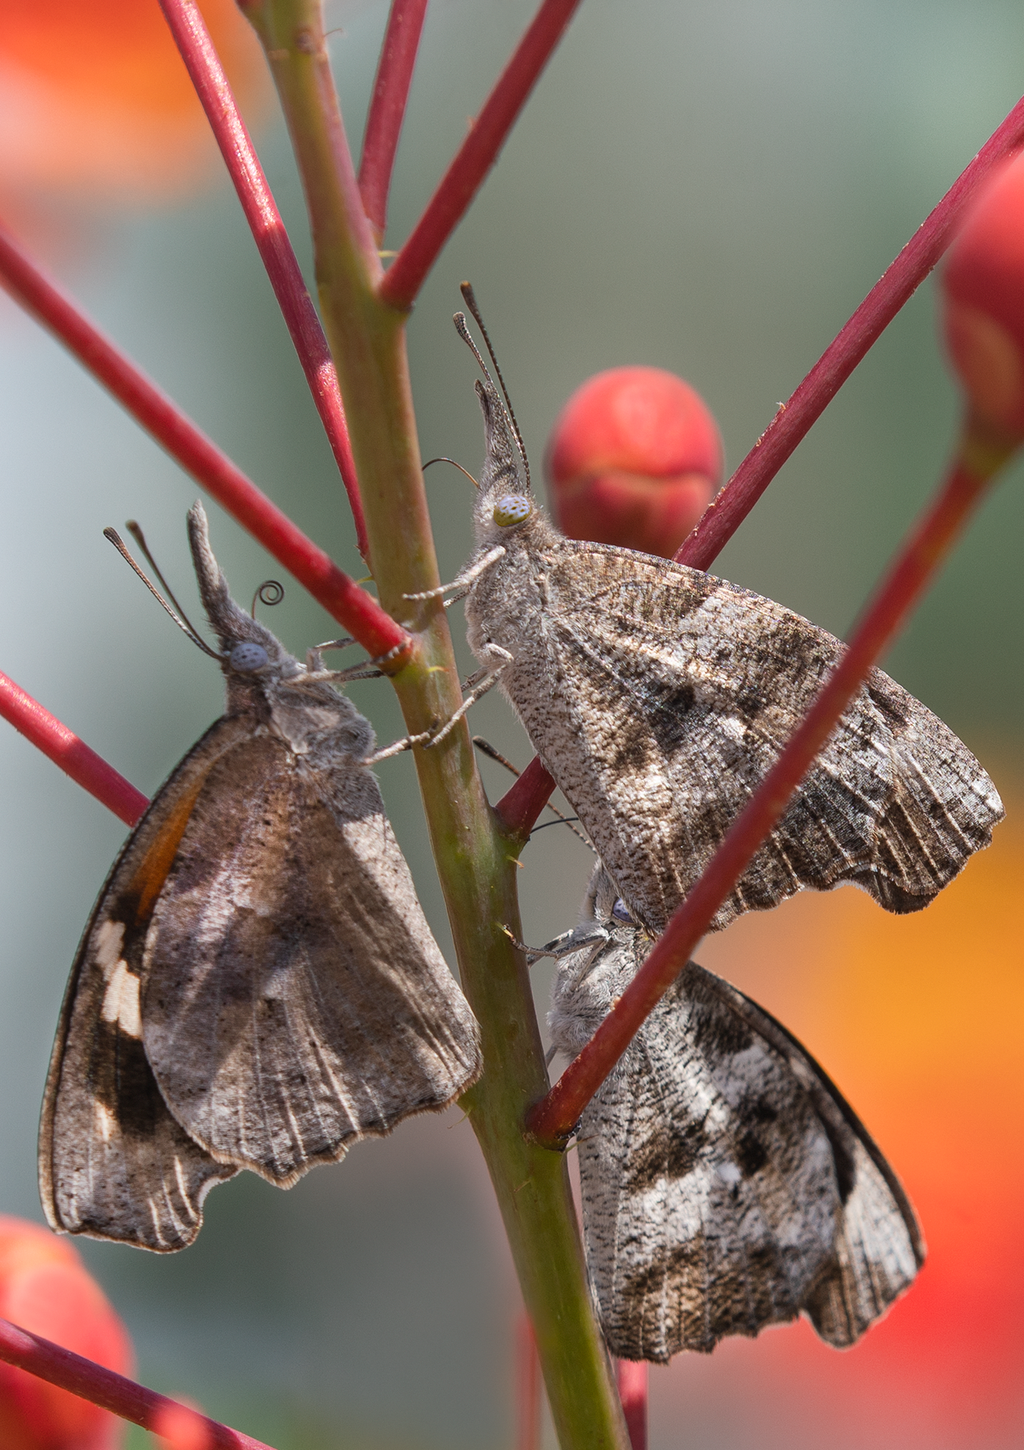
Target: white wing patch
column 121, row 1001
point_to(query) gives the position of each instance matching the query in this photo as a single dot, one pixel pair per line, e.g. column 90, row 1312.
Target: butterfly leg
column 465, row 579
column 425, row 737
column 478, row 685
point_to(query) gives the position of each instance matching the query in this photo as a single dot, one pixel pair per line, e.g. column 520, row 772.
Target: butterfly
column 726, row 1183
column 257, row 986
column 658, row 697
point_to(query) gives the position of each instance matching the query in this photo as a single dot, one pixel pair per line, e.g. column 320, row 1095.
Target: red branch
column 72, row 755
column 632, row 1378
column 197, row 51
column 553, row 1119
column 519, row 807
column 103, row 1387
column 351, row 606
column 387, row 108
column 477, row 154
column 897, row 284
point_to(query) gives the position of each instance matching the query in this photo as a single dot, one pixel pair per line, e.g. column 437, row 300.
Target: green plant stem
column 476, row 861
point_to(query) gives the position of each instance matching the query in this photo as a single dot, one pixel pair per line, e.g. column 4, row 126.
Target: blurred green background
column 710, row 188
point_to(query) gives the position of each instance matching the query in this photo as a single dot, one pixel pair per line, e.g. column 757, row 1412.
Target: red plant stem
column 897, row 284
column 387, row 108
column 520, row 806
column 527, row 1386
column 552, row 1120
column 103, row 1387
column 476, row 155
column 203, row 64
column 632, row 1377
column 73, row 756
column 352, row 607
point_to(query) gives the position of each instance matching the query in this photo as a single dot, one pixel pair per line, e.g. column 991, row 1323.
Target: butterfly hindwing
column 659, row 697
column 295, row 1000
column 726, row 1185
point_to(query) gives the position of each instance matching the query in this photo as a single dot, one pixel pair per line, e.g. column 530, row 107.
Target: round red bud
column 45, row 1288
column 634, row 459
column 983, row 287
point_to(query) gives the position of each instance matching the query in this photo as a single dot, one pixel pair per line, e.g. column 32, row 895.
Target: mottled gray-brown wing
column 665, row 695
column 878, row 1247
column 726, row 1186
column 113, row 1163
column 295, row 999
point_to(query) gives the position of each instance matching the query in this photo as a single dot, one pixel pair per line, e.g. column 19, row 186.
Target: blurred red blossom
column 45, row 1288
column 178, row 1427
column 633, row 459
column 96, row 102
column 983, row 283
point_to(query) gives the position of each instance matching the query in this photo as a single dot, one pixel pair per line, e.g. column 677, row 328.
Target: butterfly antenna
column 441, row 459
column 469, row 297
column 178, row 614
column 136, row 532
column 486, row 748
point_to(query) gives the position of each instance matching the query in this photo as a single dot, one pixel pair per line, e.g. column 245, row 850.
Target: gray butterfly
column 658, row 697
column 257, row 986
column 726, row 1183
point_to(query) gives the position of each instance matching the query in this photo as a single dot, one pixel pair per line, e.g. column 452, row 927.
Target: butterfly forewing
column 113, row 1162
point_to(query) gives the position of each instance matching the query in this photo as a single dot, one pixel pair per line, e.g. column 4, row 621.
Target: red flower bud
column 44, row 1288
column 983, row 283
column 634, row 459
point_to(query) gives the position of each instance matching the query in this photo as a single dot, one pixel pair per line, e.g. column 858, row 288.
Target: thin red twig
column 477, row 154
column 633, row 1377
column 520, row 806
column 527, row 1386
column 197, row 51
column 343, row 599
column 553, row 1119
column 103, row 1387
column 387, row 108
column 897, row 284
column 73, row 756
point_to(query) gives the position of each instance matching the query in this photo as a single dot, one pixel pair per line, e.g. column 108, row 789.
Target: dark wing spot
column 121, row 1078
column 670, row 1152
column 666, row 707
column 760, row 1111
column 720, row 1033
column 750, row 1154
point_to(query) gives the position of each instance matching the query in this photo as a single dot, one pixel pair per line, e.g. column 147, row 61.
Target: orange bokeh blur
column 920, row 1021
column 95, row 101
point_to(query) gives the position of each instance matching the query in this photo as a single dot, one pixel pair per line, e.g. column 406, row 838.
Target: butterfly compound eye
column 514, row 508
column 246, row 657
column 620, row 911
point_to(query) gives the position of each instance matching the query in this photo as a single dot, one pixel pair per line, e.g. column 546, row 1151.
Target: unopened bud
column 634, row 459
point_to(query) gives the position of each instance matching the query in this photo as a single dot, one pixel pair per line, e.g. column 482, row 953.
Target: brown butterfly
column 726, row 1184
column 257, row 986
column 659, row 697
